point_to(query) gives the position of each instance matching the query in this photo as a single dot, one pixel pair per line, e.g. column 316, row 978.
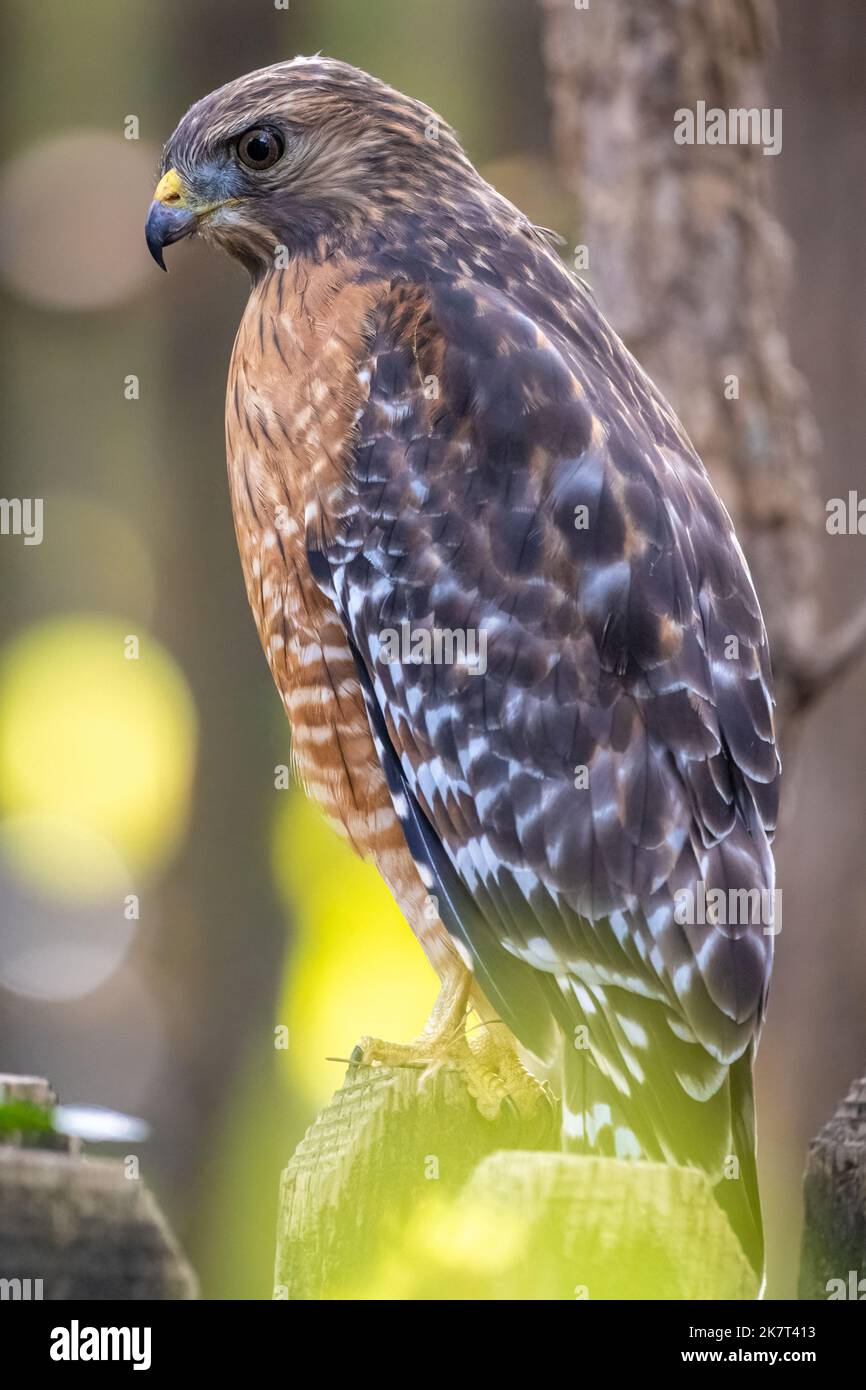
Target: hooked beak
column 170, row 216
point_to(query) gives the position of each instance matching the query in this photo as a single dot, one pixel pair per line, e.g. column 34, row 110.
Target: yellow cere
column 170, row 189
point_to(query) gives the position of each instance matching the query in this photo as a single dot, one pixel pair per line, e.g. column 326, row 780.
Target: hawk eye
column 260, row 148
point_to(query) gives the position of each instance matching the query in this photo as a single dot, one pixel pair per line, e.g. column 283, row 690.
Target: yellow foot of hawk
column 486, row 1057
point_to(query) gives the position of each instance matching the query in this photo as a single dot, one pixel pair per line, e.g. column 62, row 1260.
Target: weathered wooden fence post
column 74, row 1227
column 403, row 1191
column 833, row 1256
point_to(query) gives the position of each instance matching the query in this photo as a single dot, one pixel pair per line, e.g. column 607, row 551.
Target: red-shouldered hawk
column 513, row 630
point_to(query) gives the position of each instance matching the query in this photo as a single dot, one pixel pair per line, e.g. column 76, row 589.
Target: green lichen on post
column 23, row 1121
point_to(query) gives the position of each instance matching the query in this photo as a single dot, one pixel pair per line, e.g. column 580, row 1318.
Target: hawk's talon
column 487, row 1059
column 509, row 1110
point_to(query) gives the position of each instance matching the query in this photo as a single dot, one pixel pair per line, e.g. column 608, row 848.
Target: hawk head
column 299, row 156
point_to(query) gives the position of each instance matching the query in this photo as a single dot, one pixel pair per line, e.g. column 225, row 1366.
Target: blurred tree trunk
column 224, row 938
column 690, row 266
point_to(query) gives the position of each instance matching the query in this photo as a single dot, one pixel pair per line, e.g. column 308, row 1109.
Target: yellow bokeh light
column 56, row 857
column 88, row 734
column 472, row 1235
column 63, row 891
column 357, row 967
column 448, row 1248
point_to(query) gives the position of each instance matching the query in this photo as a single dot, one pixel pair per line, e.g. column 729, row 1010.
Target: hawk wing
column 522, row 484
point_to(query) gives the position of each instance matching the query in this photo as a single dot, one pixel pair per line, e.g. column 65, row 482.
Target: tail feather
column 599, row 1119
column 739, row 1197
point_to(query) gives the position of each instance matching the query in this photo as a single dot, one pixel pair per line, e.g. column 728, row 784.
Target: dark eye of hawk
column 260, row 148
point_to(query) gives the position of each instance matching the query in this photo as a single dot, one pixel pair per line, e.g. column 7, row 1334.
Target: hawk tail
column 597, row 1119
column 740, row 1200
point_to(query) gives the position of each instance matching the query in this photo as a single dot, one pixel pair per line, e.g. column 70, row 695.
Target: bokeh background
column 170, row 915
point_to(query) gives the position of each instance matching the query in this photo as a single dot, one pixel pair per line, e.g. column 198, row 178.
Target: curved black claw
column 540, row 1130
column 547, row 1120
